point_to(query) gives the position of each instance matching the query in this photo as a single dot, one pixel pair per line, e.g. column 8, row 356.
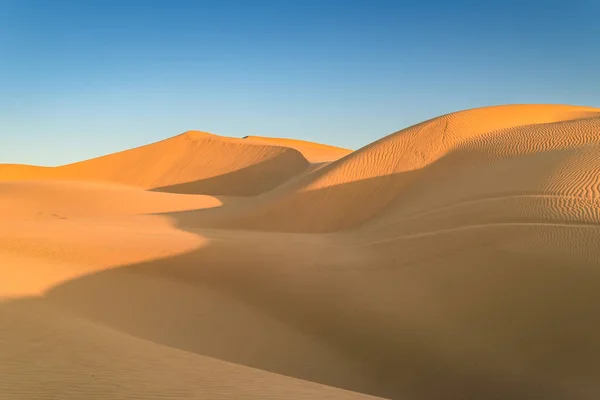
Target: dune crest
column 454, row 259
column 194, row 163
column 350, row 191
column 313, row 152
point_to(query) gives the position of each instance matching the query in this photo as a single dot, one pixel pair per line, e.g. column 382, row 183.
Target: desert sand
column 458, row 258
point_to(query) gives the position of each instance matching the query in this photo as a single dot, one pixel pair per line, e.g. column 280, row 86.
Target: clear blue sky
column 83, row 78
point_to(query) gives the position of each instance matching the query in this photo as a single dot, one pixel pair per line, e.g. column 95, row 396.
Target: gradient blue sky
column 83, row 78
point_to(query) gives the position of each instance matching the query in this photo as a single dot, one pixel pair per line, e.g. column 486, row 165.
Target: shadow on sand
column 462, row 321
column 248, row 181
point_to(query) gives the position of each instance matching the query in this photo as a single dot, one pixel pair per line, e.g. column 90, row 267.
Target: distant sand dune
column 313, row 152
column 455, row 259
column 194, row 162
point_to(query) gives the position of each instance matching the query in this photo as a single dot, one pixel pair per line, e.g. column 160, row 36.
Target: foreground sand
column 454, row 259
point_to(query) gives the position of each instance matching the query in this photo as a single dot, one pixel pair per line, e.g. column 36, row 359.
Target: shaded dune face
column 191, row 163
column 351, row 191
column 313, row 152
column 454, row 259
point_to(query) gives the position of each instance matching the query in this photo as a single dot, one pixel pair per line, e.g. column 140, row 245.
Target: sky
column 79, row 79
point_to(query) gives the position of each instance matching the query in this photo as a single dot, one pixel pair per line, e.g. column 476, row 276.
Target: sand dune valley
column 458, row 258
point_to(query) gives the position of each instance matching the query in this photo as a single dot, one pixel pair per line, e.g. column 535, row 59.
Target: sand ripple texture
column 455, row 259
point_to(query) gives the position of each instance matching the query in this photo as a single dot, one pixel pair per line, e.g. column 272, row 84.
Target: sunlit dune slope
column 75, row 299
column 352, row 190
column 194, row 162
column 16, row 172
column 313, row 152
column 67, row 199
column 455, row 259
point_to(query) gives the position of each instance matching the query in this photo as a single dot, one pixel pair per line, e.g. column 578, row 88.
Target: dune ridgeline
column 458, row 258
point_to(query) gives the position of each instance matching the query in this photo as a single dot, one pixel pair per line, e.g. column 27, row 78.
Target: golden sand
column 455, row 259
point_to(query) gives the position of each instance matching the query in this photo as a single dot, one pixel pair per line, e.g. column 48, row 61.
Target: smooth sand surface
column 313, row 152
column 455, row 259
column 191, row 163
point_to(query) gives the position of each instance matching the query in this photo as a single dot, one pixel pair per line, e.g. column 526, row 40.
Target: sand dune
column 67, row 199
column 313, row 152
column 194, row 163
column 457, row 258
column 72, row 358
column 350, row 191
